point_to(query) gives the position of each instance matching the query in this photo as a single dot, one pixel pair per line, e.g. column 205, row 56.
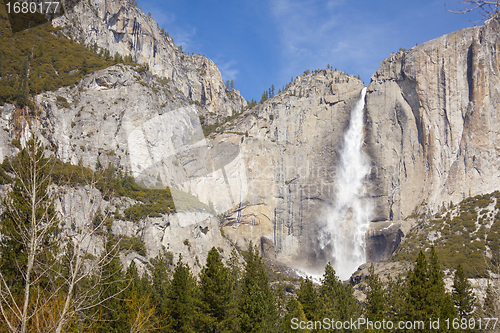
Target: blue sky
column 258, row 43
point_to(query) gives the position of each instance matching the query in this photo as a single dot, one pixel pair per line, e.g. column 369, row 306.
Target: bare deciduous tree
column 42, row 270
column 486, row 7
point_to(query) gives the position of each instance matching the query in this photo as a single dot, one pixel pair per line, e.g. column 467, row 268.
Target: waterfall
column 347, row 220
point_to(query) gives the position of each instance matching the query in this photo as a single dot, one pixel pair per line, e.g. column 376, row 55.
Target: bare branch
column 486, row 8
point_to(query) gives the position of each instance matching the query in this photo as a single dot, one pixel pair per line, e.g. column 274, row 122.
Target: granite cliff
column 432, row 125
column 431, row 131
column 120, row 27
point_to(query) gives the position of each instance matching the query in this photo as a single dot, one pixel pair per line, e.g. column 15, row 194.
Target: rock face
column 122, row 28
column 290, row 146
column 269, row 174
column 432, row 122
column 432, row 132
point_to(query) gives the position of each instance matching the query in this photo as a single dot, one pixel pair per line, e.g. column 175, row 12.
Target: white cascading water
column 347, row 220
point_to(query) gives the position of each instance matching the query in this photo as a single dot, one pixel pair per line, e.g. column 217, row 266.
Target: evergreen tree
column 137, row 307
column 309, row 298
column 463, row 296
column 85, row 67
column 235, row 274
column 426, row 295
column 416, row 307
column 181, row 300
column 29, row 241
column 396, row 302
column 22, row 83
column 118, row 58
column 215, row 294
column 339, row 301
column 491, row 308
column 232, row 85
column 257, row 307
column 265, row 97
column 441, row 302
column 111, row 311
column 160, row 271
column 293, row 310
column 375, row 304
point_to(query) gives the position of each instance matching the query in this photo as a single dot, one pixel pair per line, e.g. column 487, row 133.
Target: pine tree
column 215, row 294
column 232, row 85
column 375, row 304
column 181, row 299
column 308, row 296
column 265, row 97
column 416, row 307
column 160, row 271
column 257, row 307
column 426, row 295
column 118, row 58
column 293, row 310
column 396, row 301
column 441, row 302
column 463, row 296
column 339, row 301
column 111, row 311
column 30, row 238
column 85, row 67
column 235, row 274
column 491, row 308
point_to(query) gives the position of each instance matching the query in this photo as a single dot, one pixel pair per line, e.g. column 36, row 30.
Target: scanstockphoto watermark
column 458, row 324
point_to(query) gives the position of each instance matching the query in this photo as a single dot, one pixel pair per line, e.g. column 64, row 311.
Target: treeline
column 271, row 92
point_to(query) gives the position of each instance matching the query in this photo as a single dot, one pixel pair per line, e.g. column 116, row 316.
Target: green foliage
column 465, row 232
column 463, row 296
column 216, row 295
column 208, row 129
column 62, row 102
column 154, row 202
column 339, row 301
column 131, row 243
column 293, row 310
column 112, row 312
column 376, row 303
column 40, row 51
column 251, row 104
column 257, row 305
column 308, row 296
column 396, row 290
column 4, row 168
column 160, row 268
column 425, row 293
column 181, row 299
column 491, row 307
column 28, row 223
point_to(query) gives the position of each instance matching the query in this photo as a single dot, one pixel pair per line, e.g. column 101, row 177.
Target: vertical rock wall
column 432, row 122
